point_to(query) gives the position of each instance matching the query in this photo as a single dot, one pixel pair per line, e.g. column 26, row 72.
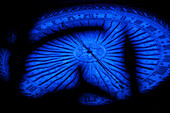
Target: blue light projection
column 4, row 66
column 54, row 66
column 94, row 100
column 12, row 36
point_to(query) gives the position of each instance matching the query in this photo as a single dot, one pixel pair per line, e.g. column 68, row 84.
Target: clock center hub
column 92, row 53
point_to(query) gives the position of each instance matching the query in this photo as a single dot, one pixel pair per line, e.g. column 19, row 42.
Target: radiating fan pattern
column 55, row 65
column 99, row 54
column 148, row 55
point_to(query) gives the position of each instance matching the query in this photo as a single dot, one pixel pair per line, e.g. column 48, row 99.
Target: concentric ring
column 55, row 65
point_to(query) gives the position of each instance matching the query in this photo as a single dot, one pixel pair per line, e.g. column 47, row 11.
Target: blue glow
column 148, row 54
column 4, row 66
column 12, row 36
column 94, row 100
column 54, row 65
column 100, row 53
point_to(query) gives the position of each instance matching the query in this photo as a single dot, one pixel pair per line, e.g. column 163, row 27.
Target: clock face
column 87, row 46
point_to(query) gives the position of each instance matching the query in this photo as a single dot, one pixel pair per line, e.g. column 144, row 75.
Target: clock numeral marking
column 31, row 88
column 166, row 47
column 105, row 16
column 53, row 21
column 151, row 28
column 162, row 36
column 123, row 18
column 130, row 11
column 38, row 28
column 91, row 98
column 138, row 22
column 63, row 25
column 89, row 16
column 167, row 58
column 150, row 81
column 162, row 70
column 71, row 18
column 87, row 99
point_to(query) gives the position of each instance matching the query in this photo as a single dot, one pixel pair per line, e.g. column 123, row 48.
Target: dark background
column 20, row 15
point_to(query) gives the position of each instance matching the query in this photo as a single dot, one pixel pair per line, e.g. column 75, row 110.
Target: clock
column 87, row 45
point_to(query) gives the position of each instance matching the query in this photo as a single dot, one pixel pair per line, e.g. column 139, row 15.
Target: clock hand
column 104, row 67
